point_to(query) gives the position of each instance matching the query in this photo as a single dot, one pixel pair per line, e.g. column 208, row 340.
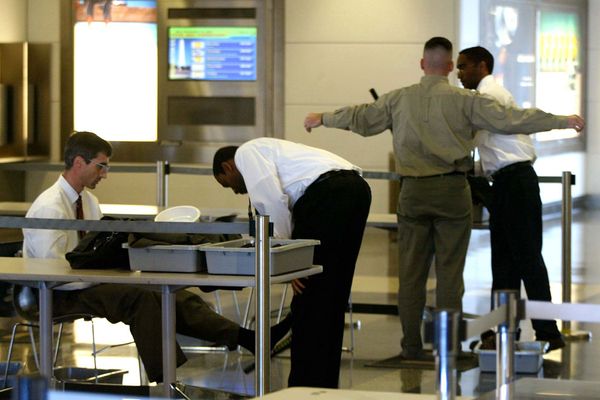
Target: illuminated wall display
column 212, row 53
column 558, row 88
column 537, row 47
column 115, row 70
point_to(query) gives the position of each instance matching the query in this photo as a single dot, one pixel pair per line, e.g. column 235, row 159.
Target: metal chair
column 25, row 303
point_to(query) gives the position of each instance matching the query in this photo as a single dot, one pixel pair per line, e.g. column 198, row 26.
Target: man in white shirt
column 516, row 208
column 86, row 164
column 308, row 193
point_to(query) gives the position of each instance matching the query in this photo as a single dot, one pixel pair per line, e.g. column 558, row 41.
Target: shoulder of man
column 48, row 204
column 498, row 92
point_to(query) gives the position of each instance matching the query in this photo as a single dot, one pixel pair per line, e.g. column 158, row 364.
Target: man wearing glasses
column 86, row 164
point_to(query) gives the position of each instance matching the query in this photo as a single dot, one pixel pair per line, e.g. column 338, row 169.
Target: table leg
column 46, row 362
column 169, row 345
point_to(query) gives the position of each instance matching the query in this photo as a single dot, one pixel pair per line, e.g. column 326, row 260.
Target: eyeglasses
column 100, row 165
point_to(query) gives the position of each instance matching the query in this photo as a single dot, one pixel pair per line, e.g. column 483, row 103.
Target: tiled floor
column 378, row 336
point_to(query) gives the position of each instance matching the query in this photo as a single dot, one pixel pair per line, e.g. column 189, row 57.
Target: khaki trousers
column 434, row 221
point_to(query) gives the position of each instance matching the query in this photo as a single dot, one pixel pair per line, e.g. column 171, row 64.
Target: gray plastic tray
column 229, row 258
column 167, row 258
column 528, row 357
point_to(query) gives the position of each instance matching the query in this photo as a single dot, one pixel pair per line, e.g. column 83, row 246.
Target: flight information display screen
column 212, row 53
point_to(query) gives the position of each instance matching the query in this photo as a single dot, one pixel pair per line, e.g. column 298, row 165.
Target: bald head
column 437, row 57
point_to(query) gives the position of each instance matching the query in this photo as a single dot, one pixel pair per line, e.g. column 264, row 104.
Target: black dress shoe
column 417, row 356
column 488, row 340
column 281, row 346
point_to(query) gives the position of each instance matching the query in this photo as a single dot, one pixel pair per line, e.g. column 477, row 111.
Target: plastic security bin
column 167, row 258
column 528, row 357
column 237, row 257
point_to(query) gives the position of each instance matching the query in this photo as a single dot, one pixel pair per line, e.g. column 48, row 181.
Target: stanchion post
column 446, row 342
column 566, row 219
column 162, row 183
column 505, row 337
column 566, row 225
column 262, row 377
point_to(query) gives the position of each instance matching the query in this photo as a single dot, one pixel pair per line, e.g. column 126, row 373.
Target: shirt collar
column 485, row 82
column 71, row 193
column 433, row 79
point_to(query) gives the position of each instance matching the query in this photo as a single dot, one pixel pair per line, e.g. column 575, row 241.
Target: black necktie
column 250, row 213
column 79, row 213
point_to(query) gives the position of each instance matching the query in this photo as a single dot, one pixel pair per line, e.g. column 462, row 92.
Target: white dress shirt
column 498, row 150
column 277, row 172
column 58, row 201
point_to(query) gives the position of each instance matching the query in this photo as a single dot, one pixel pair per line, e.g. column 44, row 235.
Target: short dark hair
column 222, row 155
column 85, row 144
column 478, row 54
column 437, row 42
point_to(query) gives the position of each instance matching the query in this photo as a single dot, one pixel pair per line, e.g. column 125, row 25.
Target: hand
column 298, row 286
column 313, row 120
column 576, row 122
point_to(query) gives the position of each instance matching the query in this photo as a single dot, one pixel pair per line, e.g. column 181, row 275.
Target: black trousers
column 516, row 235
column 141, row 309
column 335, row 212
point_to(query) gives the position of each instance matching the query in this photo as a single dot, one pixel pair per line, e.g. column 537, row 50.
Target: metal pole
column 446, row 350
column 263, row 288
column 505, row 338
column 168, row 339
column 46, row 362
column 566, row 219
column 567, row 223
column 162, row 183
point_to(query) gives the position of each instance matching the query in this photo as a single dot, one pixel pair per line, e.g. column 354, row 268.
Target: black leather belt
column 437, row 176
column 334, row 172
column 510, row 168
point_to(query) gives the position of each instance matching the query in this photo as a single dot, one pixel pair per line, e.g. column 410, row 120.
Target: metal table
column 46, row 274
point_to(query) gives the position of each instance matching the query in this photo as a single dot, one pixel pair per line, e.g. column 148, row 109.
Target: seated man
column 86, row 163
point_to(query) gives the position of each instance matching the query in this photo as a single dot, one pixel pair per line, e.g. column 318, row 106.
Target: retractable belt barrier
column 124, row 226
column 509, row 310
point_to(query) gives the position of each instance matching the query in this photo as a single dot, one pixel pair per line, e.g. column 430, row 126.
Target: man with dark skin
column 308, row 193
column 516, row 208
